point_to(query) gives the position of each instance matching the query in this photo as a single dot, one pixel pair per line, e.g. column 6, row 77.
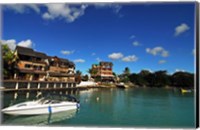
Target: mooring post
column 28, row 87
column 47, row 86
column 61, row 85
column 17, row 86
column 54, row 86
column 15, row 95
column 38, row 86
column 27, row 95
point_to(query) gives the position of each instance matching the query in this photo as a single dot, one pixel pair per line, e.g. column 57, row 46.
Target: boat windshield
column 54, row 98
column 21, row 105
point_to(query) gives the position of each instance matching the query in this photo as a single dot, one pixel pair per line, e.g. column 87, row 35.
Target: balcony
column 30, row 66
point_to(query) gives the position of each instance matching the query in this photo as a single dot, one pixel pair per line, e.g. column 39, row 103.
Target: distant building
column 102, row 71
column 33, row 65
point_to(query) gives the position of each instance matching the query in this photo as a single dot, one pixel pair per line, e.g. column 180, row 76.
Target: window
column 27, row 66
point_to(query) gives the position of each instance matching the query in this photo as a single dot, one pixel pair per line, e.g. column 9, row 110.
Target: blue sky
column 152, row 36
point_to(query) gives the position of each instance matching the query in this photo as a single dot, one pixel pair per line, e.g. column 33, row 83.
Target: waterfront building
column 30, row 65
column 33, row 65
column 102, row 71
column 60, row 69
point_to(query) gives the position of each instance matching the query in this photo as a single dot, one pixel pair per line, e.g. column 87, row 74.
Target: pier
column 17, row 85
column 27, row 89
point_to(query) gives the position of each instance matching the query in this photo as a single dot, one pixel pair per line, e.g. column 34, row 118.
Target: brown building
column 60, row 69
column 103, row 71
column 32, row 65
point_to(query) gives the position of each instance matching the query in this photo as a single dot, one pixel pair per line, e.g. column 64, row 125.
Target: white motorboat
column 87, row 84
column 45, row 105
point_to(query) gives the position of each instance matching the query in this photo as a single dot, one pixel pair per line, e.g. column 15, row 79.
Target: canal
column 114, row 107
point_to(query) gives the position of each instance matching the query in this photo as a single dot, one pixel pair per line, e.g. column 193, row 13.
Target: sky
column 151, row 36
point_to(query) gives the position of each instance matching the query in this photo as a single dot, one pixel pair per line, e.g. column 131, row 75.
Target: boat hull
column 40, row 109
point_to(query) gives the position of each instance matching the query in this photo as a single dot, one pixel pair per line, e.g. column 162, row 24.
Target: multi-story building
column 103, row 70
column 60, row 69
column 32, row 65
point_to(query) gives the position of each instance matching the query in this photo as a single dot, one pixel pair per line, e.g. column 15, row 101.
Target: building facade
column 103, row 71
column 32, row 65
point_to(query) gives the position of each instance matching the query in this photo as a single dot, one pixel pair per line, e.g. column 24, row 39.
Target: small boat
column 86, row 84
column 52, row 103
column 121, row 85
column 185, row 90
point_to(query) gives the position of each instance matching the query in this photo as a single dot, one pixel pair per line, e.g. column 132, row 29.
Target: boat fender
column 78, row 105
column 49, row 109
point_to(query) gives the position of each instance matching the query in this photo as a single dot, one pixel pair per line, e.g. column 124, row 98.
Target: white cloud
column 131, row 58
column 27, row 43
column 23, row 8
column 181, row 29
column 179, row 70
column 51, row 11
column 64, row 52
column 63, row 11
column 115, row 7
column 98, row 59
column 93, row 54
column 47, row 16
column 162, row 61
column 158, row 51
column 79, row 61
column 165, row 53
column 115, row 56
column 12, row 43
column 132, row 36
column 136, row 43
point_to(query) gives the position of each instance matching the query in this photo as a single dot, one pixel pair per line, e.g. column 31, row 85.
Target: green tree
column 183, row 79
column 162, row 78
column 145, row 78
column 126, row 71
column 144, row 72
column 150, row 79
column 114, row 74
column 125, row 76
column 92, row 72
column 78, row 72
column 78, row 76
column 9, row 61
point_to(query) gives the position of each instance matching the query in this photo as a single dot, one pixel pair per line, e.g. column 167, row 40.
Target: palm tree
column 92, row 72
column 78, row 76
column 127, row 71
column 78, row 72
column 125, row 76
column 9, row 61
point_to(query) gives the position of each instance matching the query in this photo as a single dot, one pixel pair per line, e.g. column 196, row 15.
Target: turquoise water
column 134, row 107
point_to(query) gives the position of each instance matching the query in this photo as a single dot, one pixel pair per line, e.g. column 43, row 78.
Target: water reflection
column 41, row 119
